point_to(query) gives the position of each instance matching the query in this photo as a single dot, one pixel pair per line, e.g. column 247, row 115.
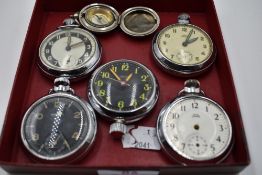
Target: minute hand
column 188, row 40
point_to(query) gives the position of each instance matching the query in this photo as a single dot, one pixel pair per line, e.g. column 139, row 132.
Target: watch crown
column 62, row 84
column 69, row 23
column 184, row 18
column 192, row 86
column 117, row 130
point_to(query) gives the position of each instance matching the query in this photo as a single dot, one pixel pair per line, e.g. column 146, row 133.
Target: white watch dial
column 185, row 44
column 67, row 49
column 197, row 128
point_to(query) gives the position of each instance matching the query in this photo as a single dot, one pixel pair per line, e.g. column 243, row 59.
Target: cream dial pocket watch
column 193, row 128
column 183, row 49
column 69, row 52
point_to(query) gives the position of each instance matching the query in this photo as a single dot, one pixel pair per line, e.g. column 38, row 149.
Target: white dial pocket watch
column 183, row 49
column 193, row 128
column 59, row 127
column 69, row 52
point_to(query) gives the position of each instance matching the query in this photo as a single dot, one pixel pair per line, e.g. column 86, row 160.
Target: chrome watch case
column 191, row 91
column 62, row 90
column 138, row 24
column 78, row 72
column 182, row 70
column 120, row 118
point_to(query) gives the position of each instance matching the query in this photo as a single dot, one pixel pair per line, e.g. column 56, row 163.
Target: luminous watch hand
column 117, row 77
column 129, row 77
column 65, row 141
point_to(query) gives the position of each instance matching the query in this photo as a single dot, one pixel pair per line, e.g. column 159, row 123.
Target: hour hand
column 192, row 40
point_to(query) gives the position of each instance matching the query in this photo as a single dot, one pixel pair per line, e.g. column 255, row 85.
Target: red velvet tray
column 30, row 85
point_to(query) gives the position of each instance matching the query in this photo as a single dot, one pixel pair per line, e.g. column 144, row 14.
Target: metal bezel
column 139, row 8
column 175, row 153
column 182, row 70
column 92, row 28
column 126, row 116
column 77, row 72
column 86, row 144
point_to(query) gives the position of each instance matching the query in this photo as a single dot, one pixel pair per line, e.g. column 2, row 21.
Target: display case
column 108, row 154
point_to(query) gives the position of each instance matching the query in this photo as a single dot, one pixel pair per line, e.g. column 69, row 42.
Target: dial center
column 196, row 127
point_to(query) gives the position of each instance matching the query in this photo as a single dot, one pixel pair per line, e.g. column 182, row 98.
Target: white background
column 241, row 23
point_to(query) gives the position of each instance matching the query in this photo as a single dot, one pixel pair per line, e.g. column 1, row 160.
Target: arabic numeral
column 221, row 128
column 167, row 35
column 216, row 116
column 175, row 115
column 212, row 146
column 183, row 108
column 172, row 125
column 183, row 145
column 218, row 139
column 80, row 61
column 195, row 105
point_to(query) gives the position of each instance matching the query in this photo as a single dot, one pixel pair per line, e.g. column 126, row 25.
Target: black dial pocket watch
column 193, row 128
column 70, row 52
column 59, row 127
column 123, row 91
column 183, row 49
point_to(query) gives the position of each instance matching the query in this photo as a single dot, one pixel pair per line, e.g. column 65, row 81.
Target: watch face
column 185, row 44
column 56, row 127
column 197, row 128
column 67, row 49
column 99, row 16
column 123, row 86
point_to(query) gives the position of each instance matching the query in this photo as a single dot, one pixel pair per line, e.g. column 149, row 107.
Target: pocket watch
column 123, row 91
column 183, row 49
column 98, row 17
column 69, row 52
column 193, row 128
column 139, row 21
column 59, row 127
